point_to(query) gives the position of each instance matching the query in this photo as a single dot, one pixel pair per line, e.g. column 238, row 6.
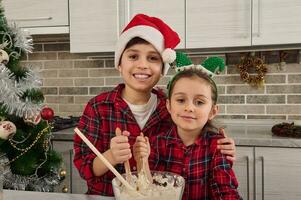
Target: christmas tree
column 25, row 131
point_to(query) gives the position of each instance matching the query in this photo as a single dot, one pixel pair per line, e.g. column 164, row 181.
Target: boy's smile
column 141, row 68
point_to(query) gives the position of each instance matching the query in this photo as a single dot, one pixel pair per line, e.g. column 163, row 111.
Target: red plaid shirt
column 102, row 115
column 207, row 173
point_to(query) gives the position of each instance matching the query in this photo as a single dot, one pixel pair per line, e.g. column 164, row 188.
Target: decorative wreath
column 287, row 130
column 248, row 62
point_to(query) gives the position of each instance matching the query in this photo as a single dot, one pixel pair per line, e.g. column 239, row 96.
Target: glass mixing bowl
column 166, row 185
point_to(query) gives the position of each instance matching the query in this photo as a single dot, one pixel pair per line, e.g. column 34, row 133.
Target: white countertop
column 24, row 195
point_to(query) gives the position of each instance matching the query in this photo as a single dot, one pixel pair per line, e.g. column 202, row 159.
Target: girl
column 189, row 148
column 143, row 53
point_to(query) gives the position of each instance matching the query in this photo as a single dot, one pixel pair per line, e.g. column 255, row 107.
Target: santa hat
column 154, row 31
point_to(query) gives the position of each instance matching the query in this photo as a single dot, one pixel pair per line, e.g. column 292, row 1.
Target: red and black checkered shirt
column 102, row 115
column 207, row 173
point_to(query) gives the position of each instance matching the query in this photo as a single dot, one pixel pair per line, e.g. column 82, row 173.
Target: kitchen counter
column 244, row 132
column 21, row 195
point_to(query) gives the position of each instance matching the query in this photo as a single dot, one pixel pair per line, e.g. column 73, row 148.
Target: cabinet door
column 94, row 25
column 244, row 171
column 38, row 13
column 218, row 23
column 278, row 173
column 171, row 11
column 276, row 22
column 73, row 181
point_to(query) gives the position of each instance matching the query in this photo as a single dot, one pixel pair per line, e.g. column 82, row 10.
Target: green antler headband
column 210, row 66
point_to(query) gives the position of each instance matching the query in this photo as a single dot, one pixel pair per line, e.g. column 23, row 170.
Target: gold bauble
column 65, row 189
column 63, row 172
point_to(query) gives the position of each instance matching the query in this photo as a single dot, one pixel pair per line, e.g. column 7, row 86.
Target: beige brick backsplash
column 294, row 117
column 57, row 47
column 279, row 89
column 34, row 65
column 49, row 73
column 89, row 82
column 287, row 109
column 43, row 56
column 82, row 99
column 71, row 108
column 97, row 90
column 294, row 99
column 220, row 79
column 73, row 73
column 89, row 64
column 59, row 99
column 58, row 64
column 244, row 89
column 109, row 63
column 73, row 90
column 70, row 80
column 223, row 99
column 265, row 99
column 282, row 117
column 104, row 72
column 221, row 90
column 294, row 78
column 269, row 79
column 113, row 81
column 58, row 82
column 245, row 109
column 49, row 90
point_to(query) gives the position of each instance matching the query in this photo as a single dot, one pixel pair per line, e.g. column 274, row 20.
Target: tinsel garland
column 32, row 183
column 12, row 91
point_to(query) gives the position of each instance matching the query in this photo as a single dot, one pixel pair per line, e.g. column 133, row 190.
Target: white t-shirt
column 143, row 112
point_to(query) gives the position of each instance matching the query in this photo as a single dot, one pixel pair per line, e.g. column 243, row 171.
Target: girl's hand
column 120, row 148
column 141, row 148
column 227, row 146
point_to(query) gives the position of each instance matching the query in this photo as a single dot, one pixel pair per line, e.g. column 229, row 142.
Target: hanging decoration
column 249, row 61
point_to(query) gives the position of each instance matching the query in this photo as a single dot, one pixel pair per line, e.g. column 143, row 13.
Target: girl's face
column 190, row 105
column 140, row 67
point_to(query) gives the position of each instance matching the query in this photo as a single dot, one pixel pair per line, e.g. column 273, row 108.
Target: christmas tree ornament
column 33, row 119
column 63, row 173
column 7, row 129
column 65, row 189
column 4, row 58
column 154, row 31
column 47, row 113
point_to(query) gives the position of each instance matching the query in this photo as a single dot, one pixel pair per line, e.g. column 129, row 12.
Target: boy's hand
column 227, row 146
column 120, row 148
column 141, row 148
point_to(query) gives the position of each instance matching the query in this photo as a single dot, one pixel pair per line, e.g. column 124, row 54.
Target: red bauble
column 47, row 113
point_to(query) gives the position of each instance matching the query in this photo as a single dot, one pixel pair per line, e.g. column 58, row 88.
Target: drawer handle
column 33, row 19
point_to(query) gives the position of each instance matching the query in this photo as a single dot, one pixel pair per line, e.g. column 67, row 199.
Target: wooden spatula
column 126, row 163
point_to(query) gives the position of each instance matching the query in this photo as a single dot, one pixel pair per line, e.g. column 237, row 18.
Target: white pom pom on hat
column 154, row 31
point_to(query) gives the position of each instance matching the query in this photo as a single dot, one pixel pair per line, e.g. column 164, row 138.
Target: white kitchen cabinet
column 73, row 181
column 276, row 22
column 279, row 173
column 244, row 171
column 218, row 23
column 270, row 173
column 94, row 25
column 39, row 16
column 171, row 12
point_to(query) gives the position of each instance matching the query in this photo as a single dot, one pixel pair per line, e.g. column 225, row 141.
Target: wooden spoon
column 126, row 163
column 106, row 162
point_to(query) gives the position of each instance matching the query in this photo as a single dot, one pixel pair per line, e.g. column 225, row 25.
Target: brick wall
column 70, row 80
